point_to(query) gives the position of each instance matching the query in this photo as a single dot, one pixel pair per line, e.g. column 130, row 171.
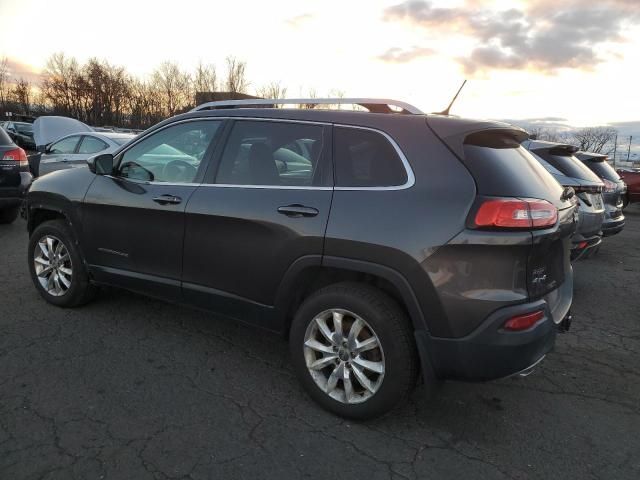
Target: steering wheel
column 179, row 171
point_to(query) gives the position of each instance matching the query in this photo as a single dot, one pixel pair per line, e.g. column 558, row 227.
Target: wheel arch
column 308, row 274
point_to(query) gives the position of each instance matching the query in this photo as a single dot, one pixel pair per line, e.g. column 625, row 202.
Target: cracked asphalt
column 132, row 388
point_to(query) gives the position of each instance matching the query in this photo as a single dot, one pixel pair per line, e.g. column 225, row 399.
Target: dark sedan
column 21, row 133
column 14, row 178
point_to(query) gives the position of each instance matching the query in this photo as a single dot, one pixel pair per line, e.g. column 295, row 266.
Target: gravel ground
column 132, row 388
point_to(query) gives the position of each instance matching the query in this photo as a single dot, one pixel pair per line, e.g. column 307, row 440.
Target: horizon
column 566, row 63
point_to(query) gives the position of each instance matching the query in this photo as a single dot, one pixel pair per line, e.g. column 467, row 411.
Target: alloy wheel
column 53, row 266
column 344, row 356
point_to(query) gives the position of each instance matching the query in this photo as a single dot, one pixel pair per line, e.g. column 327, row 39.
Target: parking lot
column 129, row 387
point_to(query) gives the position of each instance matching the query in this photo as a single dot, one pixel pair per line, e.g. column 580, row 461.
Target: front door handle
column 296, row 211
column 167, row 200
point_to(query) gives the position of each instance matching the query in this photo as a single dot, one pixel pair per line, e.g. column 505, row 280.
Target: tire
column 74, row 288
column 625, row 201
column 8, row 215
column 396, row 351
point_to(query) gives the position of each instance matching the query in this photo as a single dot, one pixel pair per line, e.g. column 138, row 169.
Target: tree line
column 100, row 93
column 588, row 139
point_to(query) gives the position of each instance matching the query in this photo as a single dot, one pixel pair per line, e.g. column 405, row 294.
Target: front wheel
column 353, row 350
column 56, row 266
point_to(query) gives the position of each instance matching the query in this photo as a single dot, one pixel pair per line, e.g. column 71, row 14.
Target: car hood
column 49, row 129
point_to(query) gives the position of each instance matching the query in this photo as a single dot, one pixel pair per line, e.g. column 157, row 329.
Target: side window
column 173, row 154
column 364, row 158
column 91, row 145
column 66, row 145
column 273, row 153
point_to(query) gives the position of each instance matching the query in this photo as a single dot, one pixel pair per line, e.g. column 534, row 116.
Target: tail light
column 523, row 322
column 16, row 155
column 609, row 186
column 515, row 213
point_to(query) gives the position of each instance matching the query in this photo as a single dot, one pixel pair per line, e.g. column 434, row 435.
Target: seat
column 262, row 166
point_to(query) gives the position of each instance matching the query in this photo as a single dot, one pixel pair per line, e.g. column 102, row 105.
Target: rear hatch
column 614, row 186
column 503, row 169
column 588, row 186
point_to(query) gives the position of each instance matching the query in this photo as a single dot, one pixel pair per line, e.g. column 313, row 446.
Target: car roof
column 112, row 135
column 445, row 124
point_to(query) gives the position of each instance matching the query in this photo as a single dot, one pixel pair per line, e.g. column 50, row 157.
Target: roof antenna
column 446, row 110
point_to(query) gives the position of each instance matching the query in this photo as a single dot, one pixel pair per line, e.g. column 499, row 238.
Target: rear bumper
column 490, row 352
column 11, row 196
column 613, row 226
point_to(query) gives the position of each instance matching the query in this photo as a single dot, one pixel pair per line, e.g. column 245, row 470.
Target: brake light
column 523, row 322
column 515, row 213
column 17, row 155
column 609, row 186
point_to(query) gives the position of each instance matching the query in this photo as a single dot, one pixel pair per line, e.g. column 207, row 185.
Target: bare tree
column 595, row 139
column 272, row 90
column 61, row 85
column 205, row 78
column 549, row 134
column 4, row 81
column 21, row 95
column 312, row 94
column 236, row 81
column 174, row 87
column 336, row 93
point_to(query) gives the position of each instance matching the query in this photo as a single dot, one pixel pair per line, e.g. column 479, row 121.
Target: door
column 89, row 146
column 59, row 155
column 264, row 206
column 133, row 221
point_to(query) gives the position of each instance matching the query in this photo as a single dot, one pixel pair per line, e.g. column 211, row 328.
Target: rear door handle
column 167, row 200
column 296, row 211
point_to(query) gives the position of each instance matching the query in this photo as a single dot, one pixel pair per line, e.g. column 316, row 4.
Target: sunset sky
column 569, row 61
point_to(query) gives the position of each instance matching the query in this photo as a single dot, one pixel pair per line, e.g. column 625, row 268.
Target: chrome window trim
column 407, row 166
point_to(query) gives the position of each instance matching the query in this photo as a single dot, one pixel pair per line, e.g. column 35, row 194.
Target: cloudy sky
column 568, row 61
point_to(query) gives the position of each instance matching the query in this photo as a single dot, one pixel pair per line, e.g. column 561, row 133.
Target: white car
column 68, row 143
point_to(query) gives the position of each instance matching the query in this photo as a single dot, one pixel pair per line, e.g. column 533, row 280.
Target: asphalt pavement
column 132, row 388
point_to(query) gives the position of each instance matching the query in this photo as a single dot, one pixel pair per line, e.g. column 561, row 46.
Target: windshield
column 24, row 127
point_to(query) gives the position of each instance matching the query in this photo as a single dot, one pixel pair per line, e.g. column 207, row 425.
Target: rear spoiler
column 455, row 132
column 592, row 157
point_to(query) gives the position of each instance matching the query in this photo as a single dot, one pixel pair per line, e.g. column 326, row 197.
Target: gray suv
column 383, row 244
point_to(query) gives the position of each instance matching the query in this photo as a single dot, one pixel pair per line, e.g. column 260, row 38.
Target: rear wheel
column 353, row 349
column 8, row 215
column 57, row 270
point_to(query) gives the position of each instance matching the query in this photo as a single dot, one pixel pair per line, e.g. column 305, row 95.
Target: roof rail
column 374, row 105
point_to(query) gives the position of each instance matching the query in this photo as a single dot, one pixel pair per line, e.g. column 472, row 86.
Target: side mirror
column 101, row 164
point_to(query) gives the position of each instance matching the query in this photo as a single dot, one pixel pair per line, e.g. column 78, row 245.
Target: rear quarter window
column 366, row 158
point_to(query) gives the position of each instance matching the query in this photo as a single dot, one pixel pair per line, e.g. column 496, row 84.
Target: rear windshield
column 24, row 127
column 603, row 170
column 4, row 138
column 507, row 169
column 569, row 165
